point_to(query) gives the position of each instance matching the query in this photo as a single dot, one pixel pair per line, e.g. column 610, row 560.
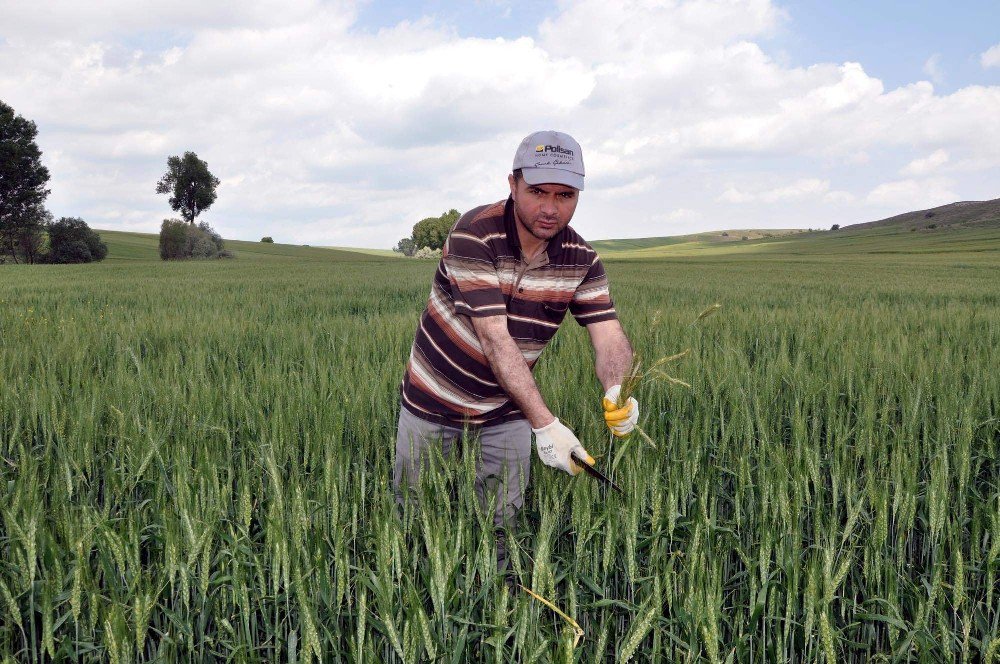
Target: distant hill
column 966, row 214
column 123, row 246
column 966, row 226
column 709, row 237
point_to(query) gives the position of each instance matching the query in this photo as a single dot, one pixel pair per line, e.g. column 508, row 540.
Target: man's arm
column 612, row 352
column 511, row 370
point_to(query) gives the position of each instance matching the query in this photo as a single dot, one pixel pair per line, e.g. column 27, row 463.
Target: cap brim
column 552, row 176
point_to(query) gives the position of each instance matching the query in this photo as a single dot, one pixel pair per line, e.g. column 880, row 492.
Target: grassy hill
column 708, row 238
column 123, row 246
column 827, row 244
column 384, row 253
column 963, row 214
column 969, row 227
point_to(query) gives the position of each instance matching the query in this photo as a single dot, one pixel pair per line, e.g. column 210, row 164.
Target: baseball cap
column 550, row 157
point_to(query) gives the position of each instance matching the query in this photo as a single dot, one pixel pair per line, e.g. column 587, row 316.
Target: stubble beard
column 542, row 234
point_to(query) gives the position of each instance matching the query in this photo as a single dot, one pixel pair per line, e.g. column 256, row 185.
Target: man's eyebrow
column 541, row 187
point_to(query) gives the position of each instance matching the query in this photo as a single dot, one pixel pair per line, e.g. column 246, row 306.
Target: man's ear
column 513, row 186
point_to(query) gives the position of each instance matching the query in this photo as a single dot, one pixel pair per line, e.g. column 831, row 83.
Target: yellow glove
column 622, row 420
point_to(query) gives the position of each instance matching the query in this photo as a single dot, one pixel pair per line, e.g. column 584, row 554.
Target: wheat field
column 195, row 464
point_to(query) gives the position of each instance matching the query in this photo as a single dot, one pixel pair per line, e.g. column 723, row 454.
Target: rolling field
column 978, row 244
column 143, row 246
column 195, row 464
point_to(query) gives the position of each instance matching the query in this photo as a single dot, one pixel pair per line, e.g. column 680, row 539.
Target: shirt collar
column 510, row 228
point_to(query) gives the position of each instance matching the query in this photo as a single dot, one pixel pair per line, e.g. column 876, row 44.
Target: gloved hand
column 622, row 420
column 555, row 442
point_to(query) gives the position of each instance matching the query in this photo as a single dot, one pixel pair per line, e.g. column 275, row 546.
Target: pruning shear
column 594, row 472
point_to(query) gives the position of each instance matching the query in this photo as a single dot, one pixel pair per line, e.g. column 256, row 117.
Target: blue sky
column 479, row 18
column 893, row 39
column 343, row 123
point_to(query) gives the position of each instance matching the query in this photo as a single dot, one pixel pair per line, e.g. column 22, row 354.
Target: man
column 509, row 272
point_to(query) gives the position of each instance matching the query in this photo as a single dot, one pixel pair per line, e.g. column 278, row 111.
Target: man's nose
column 549, row 206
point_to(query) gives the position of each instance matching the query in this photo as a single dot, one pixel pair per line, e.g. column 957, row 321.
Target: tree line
column 29, row 233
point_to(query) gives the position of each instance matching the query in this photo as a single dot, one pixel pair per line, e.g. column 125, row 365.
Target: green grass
column 708, row 239
column 195, row 463
column 964, row 227
column 817, row 245
column 963, row 214
column 123, row 246
column 384, row 253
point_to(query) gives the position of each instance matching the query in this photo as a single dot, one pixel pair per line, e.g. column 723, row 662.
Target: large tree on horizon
column 433, row 231
column 22, row 186
column 190, row 184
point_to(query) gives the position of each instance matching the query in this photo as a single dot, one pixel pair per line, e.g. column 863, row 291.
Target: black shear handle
column 593, row 472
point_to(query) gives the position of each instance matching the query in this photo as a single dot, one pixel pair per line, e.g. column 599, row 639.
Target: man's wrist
column 541, row 420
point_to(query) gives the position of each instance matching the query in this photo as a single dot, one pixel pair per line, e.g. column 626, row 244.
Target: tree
column 430, row 232
column 71, row 240
column 406, row 246
column 22, row 186
column 835, row 227
column 29, row 234
column 190, row 184
column 268, row 239
column 427, row 252
column 179, row 240
column 173, row 239
column 433, row 231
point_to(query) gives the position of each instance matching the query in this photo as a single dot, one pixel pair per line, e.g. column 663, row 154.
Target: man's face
column 543, row 209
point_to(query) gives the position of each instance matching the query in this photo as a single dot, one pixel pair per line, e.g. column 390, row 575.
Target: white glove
column 555, row 442
column 622, row 420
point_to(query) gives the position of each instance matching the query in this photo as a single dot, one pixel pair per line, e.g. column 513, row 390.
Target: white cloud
column 933, row 68
column 803, row 188
column 838, row 197
column 913, row 194
column 632, row 188
column 604, row 32
column 926, row 165
column 680, row 214
column 991, row 57
column 72, row 20
column 335, row 134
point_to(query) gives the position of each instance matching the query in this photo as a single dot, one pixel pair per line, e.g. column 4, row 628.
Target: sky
column 343, row 123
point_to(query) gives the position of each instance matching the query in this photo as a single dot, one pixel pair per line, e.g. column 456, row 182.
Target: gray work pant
column 504, row 467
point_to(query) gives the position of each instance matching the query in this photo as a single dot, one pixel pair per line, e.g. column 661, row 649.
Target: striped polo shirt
column 448, row 379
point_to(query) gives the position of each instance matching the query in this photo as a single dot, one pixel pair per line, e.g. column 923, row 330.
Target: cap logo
column 554, row 148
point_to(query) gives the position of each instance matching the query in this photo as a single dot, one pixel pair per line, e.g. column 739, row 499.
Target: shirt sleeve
column 592, row 302
column 475, row 285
